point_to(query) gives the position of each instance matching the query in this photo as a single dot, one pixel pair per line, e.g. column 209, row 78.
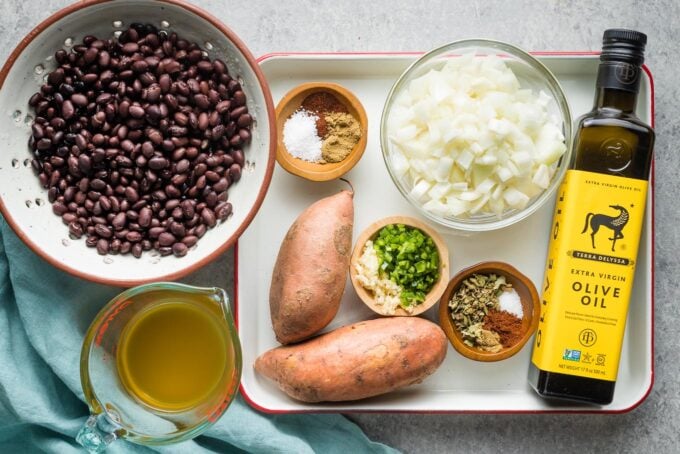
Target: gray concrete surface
column 384, row 25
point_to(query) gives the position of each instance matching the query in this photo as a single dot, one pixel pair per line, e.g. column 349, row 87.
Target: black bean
column 223, row 210
column 140, row 66
column 239, row 98
column 67, row 110
column 105, row 203
column 179, row 249
column 200, row 230
column 79, row 100
column 56, row 77
column 221, row 185
column 172, row 191
column 97, row 184
column 69, row 193
column 44, row 144
column 130, row 48
column 244, row 120
column 208, row 217
column 189, row 240
column 137, row 250
column 166, row 239
column 244, row 134
column 154, row 232
column 202, row 102
column 52, row 195
column 35, row 99
column 155, row 136
column 136, row 111
column 177, row 131
column 103, row 231
column 38, row 131
column 219, row 67
column 153, row 93
column 119, row 221
column 157, row 163
column 177, row 229
column 131, row 194
column 115, row 246
column 238, row 157
column 235, row 172
column 125, row 247
column 68, row 217
column 133, row 237
column 102, row 247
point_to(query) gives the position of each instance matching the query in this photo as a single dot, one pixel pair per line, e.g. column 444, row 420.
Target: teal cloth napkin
column 44, row 314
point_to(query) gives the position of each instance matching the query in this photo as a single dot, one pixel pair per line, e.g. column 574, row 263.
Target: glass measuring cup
column 116, row 412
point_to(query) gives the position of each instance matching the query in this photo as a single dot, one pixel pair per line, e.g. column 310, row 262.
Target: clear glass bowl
column 532, row 74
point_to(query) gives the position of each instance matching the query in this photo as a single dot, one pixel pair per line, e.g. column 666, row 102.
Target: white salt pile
column 301, row 138
column 509, row 302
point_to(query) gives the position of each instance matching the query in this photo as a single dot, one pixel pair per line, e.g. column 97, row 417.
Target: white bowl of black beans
column 138, row 139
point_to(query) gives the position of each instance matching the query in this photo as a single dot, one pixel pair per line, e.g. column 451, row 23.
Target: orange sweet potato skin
column 357, row 361
column 311, row 269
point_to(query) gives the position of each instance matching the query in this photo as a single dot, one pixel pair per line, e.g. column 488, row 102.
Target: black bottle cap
column 623, row 45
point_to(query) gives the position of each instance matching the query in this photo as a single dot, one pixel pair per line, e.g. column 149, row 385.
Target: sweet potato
column 311, row 269
column 357, row 361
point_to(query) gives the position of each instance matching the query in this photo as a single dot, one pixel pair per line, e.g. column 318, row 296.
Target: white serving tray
column 459, row 385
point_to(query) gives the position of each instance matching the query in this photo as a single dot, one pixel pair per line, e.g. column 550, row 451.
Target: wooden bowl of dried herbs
column 489, row 311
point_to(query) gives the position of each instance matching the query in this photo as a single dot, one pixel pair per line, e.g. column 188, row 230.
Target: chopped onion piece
column 542, row 177
column 465, row 159
column 515, row 198
column 469, row 196
column 443, row 169
column 459, row 186
column 420, row 189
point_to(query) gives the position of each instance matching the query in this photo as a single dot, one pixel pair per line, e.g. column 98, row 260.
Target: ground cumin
column 507, row 325
column 343, row 133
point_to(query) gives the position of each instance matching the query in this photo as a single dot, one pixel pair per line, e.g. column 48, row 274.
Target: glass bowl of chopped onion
column 476, row 134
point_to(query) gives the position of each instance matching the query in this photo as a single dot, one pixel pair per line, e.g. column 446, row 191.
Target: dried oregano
column 472, row 301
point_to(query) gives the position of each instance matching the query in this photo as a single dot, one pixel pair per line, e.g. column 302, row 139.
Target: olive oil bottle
column 595, row 234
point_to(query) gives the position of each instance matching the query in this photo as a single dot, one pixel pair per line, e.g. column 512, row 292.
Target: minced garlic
column 386, row 292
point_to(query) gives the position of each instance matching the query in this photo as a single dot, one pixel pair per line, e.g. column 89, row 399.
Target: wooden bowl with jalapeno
column 405, row 268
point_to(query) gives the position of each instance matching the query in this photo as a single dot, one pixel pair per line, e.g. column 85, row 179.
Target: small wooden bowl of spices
column 489, row 311
column 399, row 266
column 322, row 129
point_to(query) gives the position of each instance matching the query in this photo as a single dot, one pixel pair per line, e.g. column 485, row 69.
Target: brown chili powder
column 507, row 325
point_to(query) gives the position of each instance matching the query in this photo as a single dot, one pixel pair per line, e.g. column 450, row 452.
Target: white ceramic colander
column 24, row 202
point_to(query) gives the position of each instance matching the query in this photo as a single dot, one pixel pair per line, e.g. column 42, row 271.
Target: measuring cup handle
column 98, row 433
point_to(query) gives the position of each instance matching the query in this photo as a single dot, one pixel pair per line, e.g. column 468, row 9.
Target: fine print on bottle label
column 589, row 274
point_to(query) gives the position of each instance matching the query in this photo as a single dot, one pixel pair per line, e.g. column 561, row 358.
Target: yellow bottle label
column 589, row 274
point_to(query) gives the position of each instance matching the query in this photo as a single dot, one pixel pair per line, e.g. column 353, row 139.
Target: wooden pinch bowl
column 311, row 170
column 528, row 295
column 435, row 292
